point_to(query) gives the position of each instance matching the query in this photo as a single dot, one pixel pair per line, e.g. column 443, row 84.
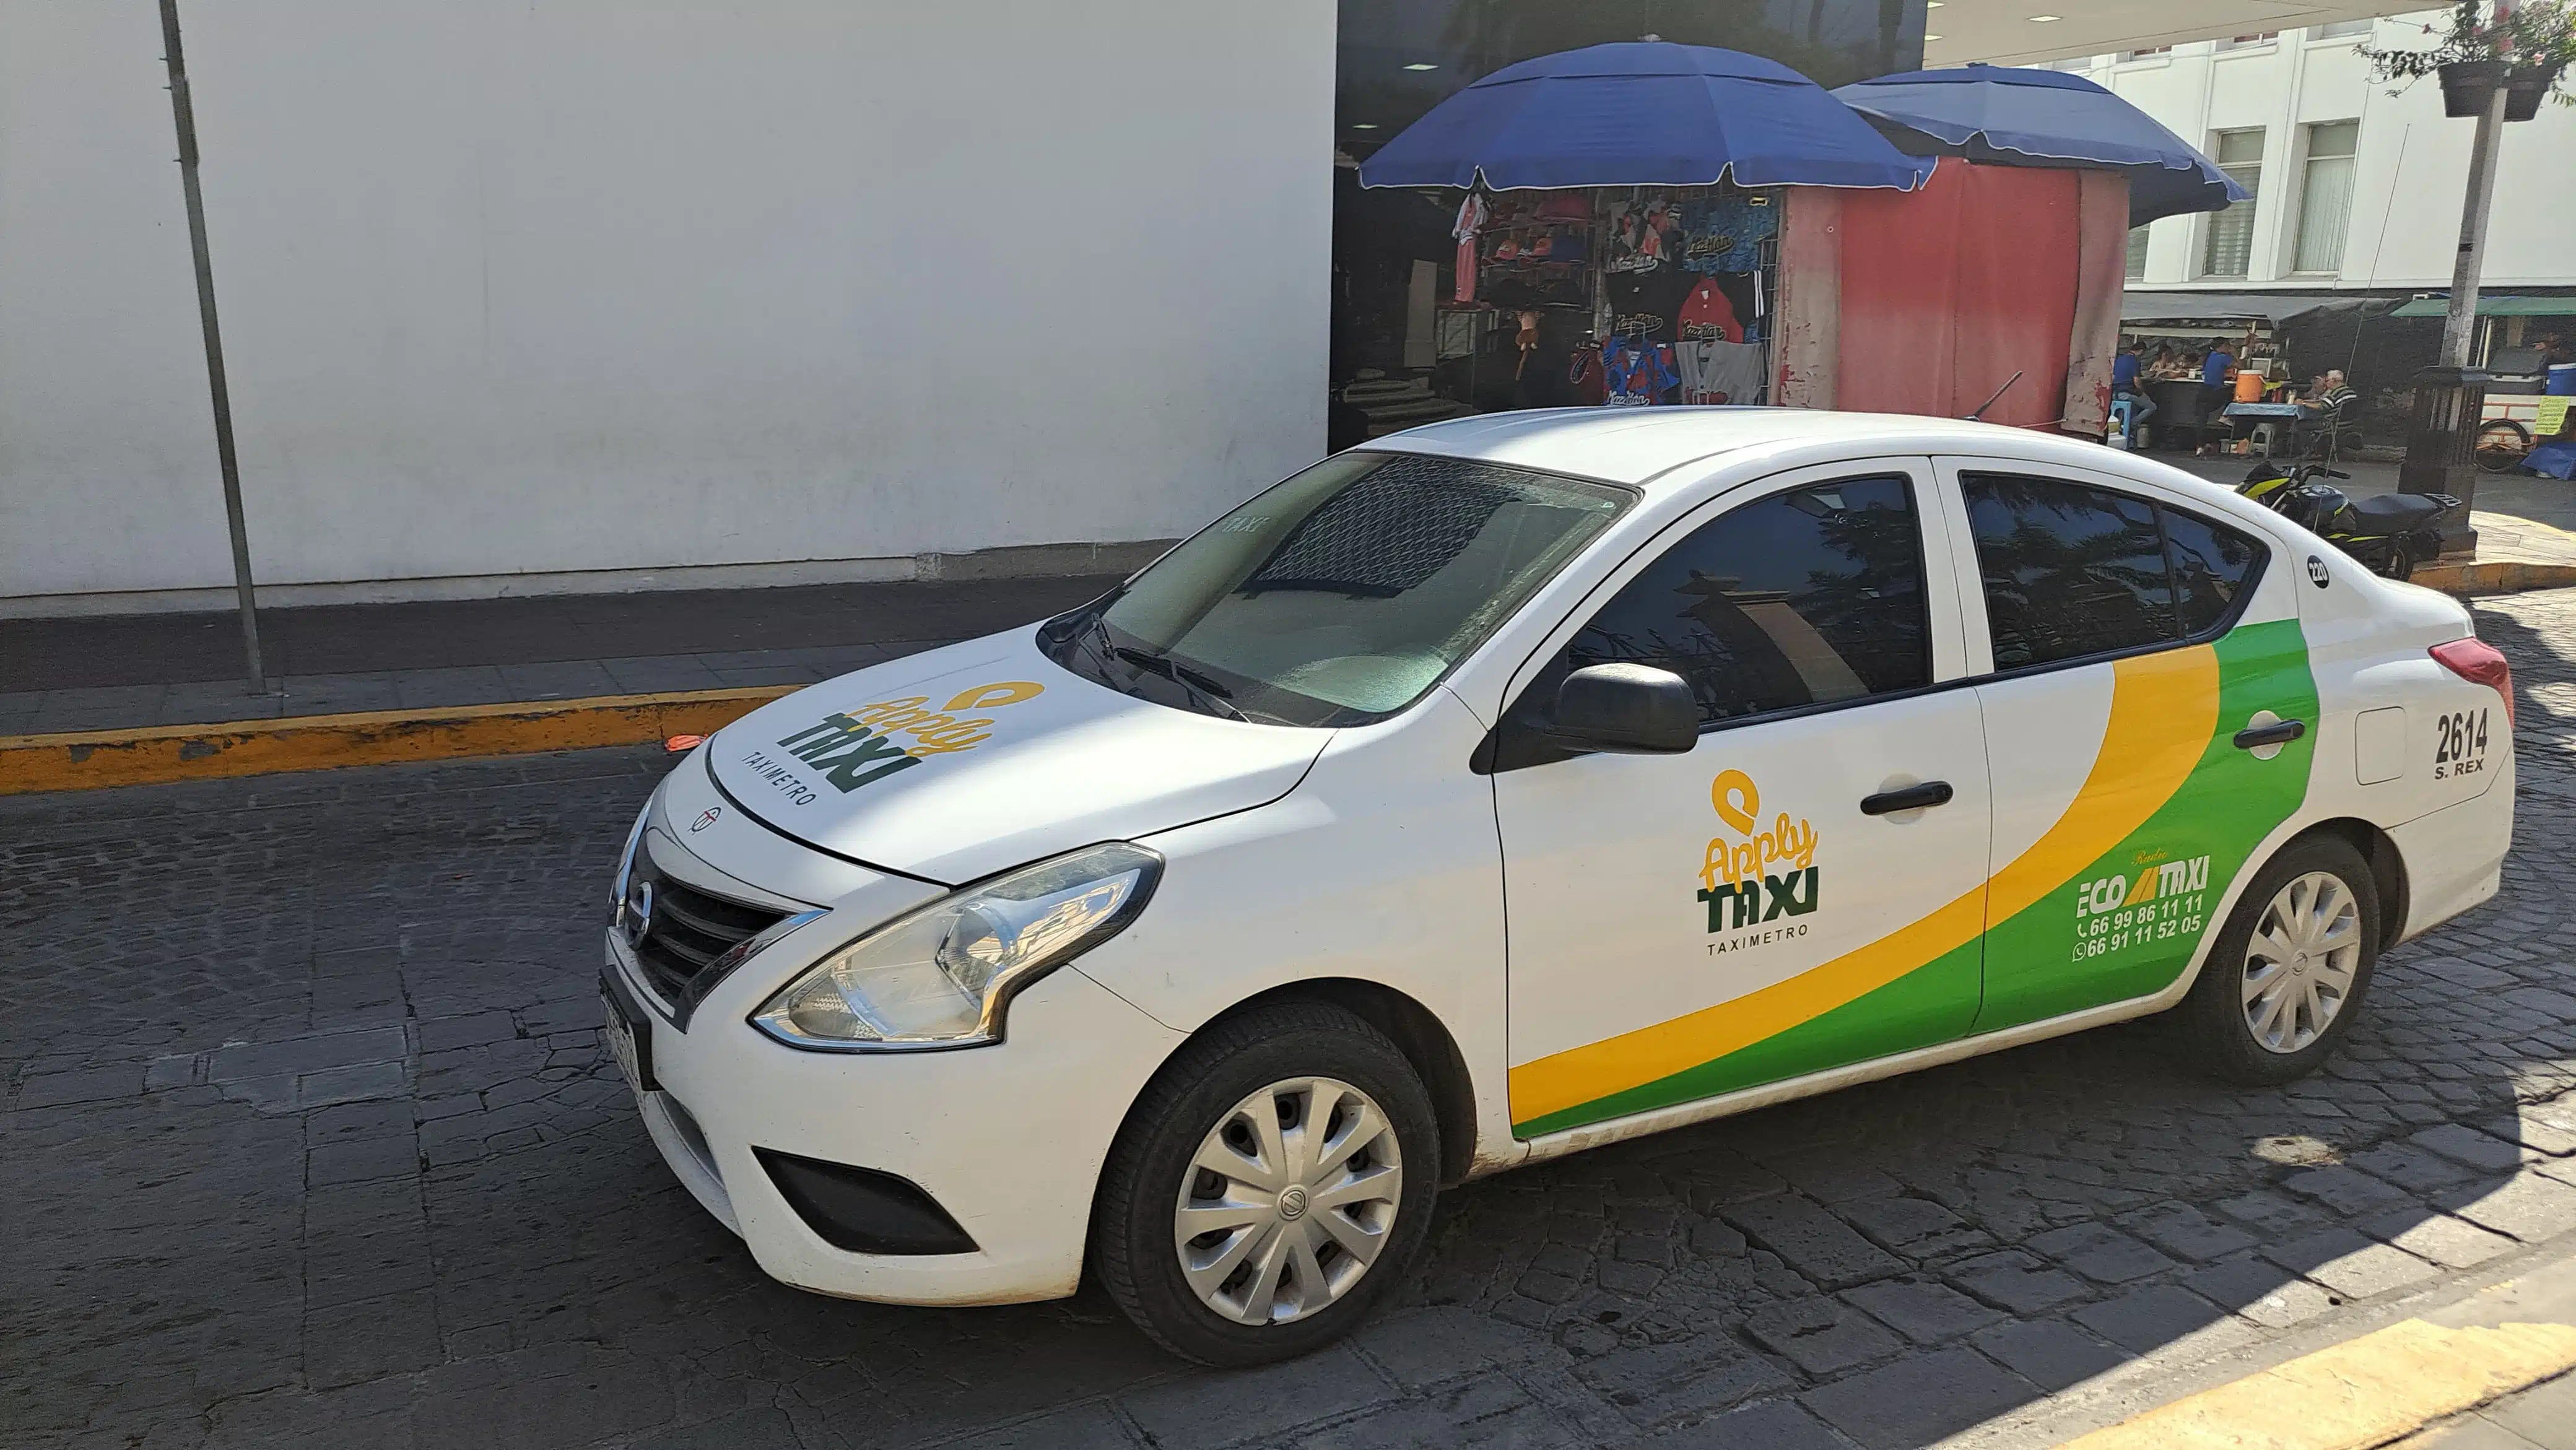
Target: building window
column 2247, row 42
column 2325, row 195
column 2230, row 242
column 2341, row 30
column 2145, row 51
column 2137, row 253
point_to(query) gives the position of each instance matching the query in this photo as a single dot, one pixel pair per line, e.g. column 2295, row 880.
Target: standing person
column 2216, row 364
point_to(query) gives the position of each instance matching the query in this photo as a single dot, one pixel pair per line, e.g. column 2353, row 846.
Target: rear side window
column 1802, row 598
column 2073, row 571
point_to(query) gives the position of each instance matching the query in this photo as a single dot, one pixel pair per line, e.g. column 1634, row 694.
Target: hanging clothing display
column 1471, row 220
column 1719, row 372
column 1708, row 313
column 1639, row 373
column 1625, row 296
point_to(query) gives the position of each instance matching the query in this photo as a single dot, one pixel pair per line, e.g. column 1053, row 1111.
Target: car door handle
column 1911, row 798
column 2279, row 732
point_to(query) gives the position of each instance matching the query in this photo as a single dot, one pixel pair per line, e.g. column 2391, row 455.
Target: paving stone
column 2150, row 1318
column 2185, row 1232
column 88, row 1085
column 1657, row 1384
column 2470, row 1147
column 1918, row 1400
column 2530, row 1208
column 1486, row 1411
column 2050, row 1353
column 2016, row 1282
column 2346, row 1191
column 1921, row 1309
column 1240, row 1404
column 2411, row 1167
column 2371, row 1271
column 2450, row 1242
column 1428, row 1346
column 307, row 1054
column 1812, row 1241
column 1916, row 1226
column 2100, row 1253
column 1764, row 1425
column 1820, row 1336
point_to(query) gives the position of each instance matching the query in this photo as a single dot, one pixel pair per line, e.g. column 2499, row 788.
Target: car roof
column 1638, row 446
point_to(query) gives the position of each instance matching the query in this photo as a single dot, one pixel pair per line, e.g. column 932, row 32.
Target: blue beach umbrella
column 2015, row 117
column 1642, row 113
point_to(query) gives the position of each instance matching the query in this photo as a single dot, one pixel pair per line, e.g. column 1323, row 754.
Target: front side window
column 1803, row 598
column 1340, row 596
column 2073, row 572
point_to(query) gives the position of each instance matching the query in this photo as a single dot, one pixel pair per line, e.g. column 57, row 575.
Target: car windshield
column 1340, row 596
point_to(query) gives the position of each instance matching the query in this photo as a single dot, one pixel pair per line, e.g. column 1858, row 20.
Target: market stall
column 1619, row 216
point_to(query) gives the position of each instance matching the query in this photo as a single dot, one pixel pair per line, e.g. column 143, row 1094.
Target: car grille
column 684, row 932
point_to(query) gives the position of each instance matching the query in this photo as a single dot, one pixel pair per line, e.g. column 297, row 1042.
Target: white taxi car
column 1507, row 787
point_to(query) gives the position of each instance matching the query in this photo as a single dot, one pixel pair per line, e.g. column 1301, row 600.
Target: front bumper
column 1007, row 1139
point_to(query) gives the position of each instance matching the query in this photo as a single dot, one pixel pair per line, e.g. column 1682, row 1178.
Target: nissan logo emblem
column 705, row 819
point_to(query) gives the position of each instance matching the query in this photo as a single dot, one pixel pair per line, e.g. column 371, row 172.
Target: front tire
column 1272, row 1184
column 2286, row 977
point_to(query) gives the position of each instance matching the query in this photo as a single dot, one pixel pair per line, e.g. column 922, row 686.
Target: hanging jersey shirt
column 1707, row 306
column 1638, row 376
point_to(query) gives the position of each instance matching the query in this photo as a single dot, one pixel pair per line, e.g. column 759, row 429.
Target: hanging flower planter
column 2524, row 88
column 2466, row 85
column 2526, row 51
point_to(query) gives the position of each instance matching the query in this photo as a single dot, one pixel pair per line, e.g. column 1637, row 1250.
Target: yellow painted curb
column 2495, row 576
column 95, row 759
column 2363, row 1392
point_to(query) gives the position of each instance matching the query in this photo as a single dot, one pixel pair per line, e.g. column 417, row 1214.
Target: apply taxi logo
column 1735, row 876
column 854, row 748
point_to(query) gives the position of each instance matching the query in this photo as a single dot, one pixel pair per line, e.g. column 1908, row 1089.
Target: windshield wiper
column 1217, row 698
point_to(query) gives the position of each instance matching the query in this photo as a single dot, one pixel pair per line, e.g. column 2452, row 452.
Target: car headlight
column 942, row 975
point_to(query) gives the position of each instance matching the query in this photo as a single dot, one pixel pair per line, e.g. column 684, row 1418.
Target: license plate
column 628, row 1040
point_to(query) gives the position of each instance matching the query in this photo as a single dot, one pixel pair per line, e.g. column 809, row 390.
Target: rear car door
column 2150, row 719
column 1764, row 906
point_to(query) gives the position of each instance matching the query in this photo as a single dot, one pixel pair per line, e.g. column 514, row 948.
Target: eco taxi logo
column 1735, row 878
column 853, row 749
column 2166, row 900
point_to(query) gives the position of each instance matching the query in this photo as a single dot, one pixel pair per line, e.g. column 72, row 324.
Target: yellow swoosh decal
column 2164, row 708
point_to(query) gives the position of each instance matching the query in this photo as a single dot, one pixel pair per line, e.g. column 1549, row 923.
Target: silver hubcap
column 1288, row 1201
column 2299, row 966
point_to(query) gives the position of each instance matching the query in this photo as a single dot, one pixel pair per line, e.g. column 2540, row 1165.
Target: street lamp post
column 183, row 115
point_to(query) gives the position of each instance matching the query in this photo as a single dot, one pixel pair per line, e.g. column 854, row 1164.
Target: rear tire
column 1293, row 1254
column 2288, row 974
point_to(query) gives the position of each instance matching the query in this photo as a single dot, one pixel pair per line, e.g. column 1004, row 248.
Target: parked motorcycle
column 2389, row 533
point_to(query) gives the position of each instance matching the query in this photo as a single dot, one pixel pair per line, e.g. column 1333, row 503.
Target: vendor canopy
column 2014, row 117
column 1642, row 113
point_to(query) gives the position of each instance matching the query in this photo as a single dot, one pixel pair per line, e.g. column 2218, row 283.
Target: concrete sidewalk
column 141, row 671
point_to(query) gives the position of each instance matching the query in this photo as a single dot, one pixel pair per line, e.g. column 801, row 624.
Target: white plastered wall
column 521, row 287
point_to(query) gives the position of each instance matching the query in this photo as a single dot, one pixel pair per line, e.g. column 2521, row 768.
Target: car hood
column 982, row 756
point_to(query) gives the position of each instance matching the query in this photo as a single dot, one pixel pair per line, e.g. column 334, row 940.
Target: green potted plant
column 2526, row 50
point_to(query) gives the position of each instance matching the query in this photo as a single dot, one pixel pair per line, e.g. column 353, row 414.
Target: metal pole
column 2459, row 324
column 184, row 116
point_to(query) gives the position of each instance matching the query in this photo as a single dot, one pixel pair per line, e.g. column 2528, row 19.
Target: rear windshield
column 1340, row 596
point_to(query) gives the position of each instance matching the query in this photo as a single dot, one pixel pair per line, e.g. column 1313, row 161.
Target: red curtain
column 1948, row 291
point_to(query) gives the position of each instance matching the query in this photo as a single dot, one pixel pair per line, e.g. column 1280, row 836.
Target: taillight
column 2479, row 663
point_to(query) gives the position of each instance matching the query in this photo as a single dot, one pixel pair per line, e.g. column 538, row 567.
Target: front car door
column 2131, row 639
column 1772, row 903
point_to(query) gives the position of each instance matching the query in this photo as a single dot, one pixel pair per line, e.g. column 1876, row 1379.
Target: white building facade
column 535, row 295
column 2355, row 189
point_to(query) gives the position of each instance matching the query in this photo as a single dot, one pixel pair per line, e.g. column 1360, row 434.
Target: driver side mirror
column 1625, row 710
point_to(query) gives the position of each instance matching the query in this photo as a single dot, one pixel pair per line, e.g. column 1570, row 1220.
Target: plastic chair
column 2124, row 421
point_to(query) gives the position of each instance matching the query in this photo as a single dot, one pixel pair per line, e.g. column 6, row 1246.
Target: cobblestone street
column 306, row 1139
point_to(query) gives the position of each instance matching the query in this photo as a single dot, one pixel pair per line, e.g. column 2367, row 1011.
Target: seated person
column 2326, row 395
column 2126, row 371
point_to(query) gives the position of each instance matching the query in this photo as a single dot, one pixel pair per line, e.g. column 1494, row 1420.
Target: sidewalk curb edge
column 95, row 760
